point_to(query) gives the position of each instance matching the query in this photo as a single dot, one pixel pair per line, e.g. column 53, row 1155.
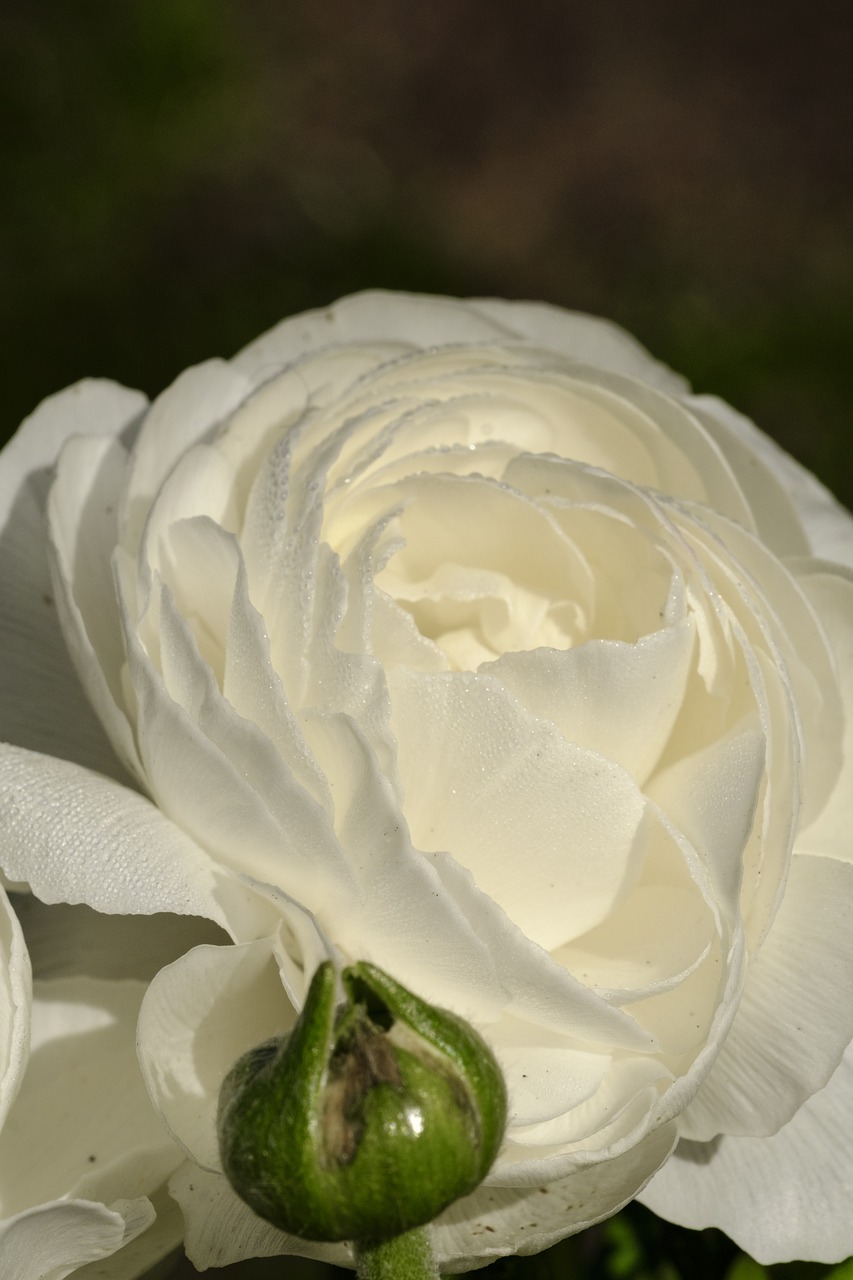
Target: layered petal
column 781, row 1197
column 75, row 836
column 82, row 1151
column 42, row 705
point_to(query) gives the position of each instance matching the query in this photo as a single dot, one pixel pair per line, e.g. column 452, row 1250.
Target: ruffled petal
column 52, row 1240
column 75, row 836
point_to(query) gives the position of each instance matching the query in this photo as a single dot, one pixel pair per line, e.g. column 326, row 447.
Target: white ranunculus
column 459, row 637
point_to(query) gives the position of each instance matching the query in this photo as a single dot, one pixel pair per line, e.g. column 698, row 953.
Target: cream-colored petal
column 179, row 418
column 374, row 316
column 764, row 472
column 831, row 830
column 82, row 531
column 138, row 1259
column 82, row 1124
column 222, row 782
column 51, row 1241
column 489, row 783
column 828, row 527
column 584, row 338
column 496, row 1221
column 43, row 706
column 199, row 1016
column 782, row 1197
column 793, row 1022
column 65, row 940
column 76, row 836
column 220, row 1228
column 617, row 698
column 15, row 1001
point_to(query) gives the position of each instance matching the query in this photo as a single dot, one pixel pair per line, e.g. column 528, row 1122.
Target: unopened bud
column 366, row 1120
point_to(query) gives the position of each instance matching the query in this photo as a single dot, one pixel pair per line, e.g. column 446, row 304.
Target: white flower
column 460, row 638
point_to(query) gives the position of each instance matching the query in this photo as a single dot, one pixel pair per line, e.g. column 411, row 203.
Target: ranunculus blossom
column 460, row 638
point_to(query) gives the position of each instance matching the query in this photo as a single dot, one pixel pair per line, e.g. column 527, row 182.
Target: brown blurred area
column 178, row 177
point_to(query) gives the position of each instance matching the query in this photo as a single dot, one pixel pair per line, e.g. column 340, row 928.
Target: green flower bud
column 368, row 1119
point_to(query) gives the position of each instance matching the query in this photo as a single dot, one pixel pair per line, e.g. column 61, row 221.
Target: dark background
column 176, row 177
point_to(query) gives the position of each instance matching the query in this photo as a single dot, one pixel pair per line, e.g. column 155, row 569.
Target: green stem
column 405, row 1257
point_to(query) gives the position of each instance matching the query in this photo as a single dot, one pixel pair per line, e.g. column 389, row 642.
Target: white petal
column 199, row 1016
column 794, row 1019
column 82, row 531
column 587, row 339
column 831, row 592
column 496, row 1221
column 180, row 417
column 135, row 1259
column 75, row 836
column 612, row 697
column 538, row 990
column 221, row 1228
column 218, row 777
column 15, row 999
column 760, row 467
column 493, row 1222
column 82, row 1124
column 375, row 316
column 828, row 526
column 711, row 797
column 780, row 1198
column 42, row 703
column 400, row 916
column 65, row 940
column 489, row 783
column 52, row 1240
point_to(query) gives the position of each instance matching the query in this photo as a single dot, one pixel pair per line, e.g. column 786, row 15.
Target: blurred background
column 177, row 177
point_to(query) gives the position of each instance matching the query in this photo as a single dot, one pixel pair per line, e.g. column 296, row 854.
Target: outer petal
column 67, row 940
column 221, row 1228
column 42, row 705
column 492, row 1223
column 780, row 1198
column 81, row 1150
column 199, row 1015
column 587, row 339
column 496, row 1221
column 78, row 837
column 828, row 526
column 15, row 997
column 790, row 1031
column 423, row 321
column 831, row 592
column 49, row 1242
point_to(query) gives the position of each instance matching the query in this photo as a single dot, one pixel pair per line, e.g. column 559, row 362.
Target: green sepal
column 367, row 1120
